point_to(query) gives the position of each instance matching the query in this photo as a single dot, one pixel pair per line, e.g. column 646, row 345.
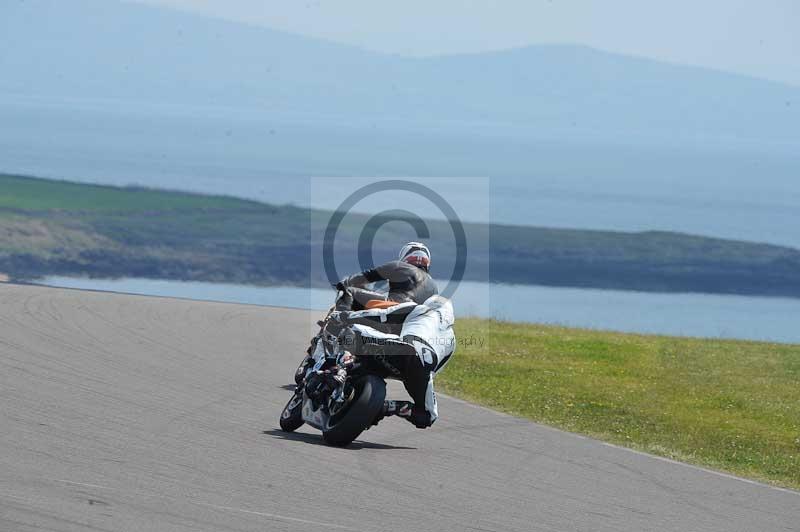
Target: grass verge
column 729, row 405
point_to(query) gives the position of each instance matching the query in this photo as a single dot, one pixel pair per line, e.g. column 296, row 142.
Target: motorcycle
column 341, row 394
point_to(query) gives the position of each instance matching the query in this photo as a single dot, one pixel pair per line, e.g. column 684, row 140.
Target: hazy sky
column 760, row 38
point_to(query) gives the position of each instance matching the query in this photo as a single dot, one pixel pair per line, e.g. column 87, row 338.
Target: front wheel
column 366, row 406
column 292, row 414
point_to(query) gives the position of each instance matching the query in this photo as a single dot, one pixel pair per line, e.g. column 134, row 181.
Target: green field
column 729, row 405
column 19, row 193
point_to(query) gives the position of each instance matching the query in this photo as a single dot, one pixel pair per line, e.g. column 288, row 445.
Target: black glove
column 343, row 284
column 318, row 385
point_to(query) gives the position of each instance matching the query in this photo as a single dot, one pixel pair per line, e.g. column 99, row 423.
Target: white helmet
column 416, row 253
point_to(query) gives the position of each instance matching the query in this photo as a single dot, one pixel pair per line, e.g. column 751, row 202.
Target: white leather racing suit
column 422, row 347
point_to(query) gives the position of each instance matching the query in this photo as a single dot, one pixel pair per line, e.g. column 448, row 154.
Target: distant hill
column 61, row 228
column 107, row 49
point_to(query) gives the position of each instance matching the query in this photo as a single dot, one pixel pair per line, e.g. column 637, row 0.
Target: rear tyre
column 292, row 414
column 370, row 392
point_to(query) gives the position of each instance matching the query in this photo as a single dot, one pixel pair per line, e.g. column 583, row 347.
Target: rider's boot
column 397, row 408
column 407, row 410
column 402, row 409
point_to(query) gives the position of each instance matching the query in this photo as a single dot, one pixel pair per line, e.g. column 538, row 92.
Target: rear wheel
column 369, row 395
column 292, row 414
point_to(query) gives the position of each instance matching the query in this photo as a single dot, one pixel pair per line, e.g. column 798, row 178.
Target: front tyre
column 370, row 393
column 292, row 414
column 300, row 373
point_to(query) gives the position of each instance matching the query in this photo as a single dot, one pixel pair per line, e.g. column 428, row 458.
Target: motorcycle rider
column 413, row 339
column 409, row 280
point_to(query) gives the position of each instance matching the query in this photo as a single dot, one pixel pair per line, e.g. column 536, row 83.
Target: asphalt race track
column 128, row 413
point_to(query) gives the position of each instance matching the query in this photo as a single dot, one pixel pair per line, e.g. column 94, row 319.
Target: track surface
column 130, row 413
